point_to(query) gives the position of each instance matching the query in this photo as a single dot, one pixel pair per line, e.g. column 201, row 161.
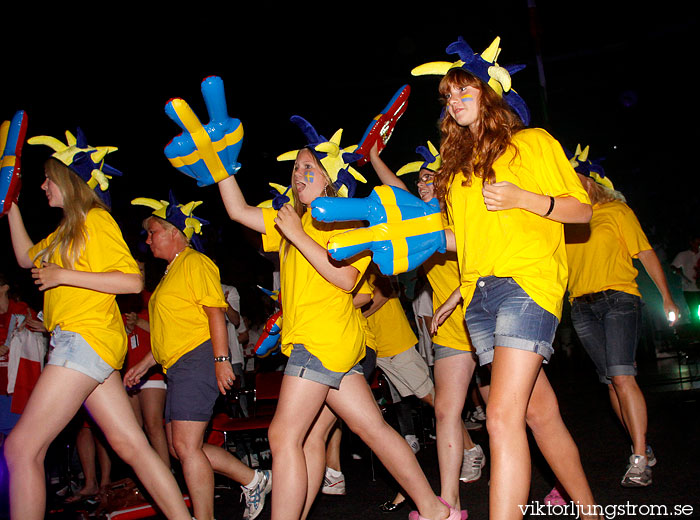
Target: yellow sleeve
column 272, row 238
column 632, row 234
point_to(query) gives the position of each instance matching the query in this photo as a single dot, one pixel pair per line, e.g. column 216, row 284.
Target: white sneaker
column 638, row 473
column 255, row 498
column 472, row 462
column 412, row 441
column 333, row 483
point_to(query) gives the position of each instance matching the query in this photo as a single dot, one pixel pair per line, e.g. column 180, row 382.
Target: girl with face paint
column 323, row 336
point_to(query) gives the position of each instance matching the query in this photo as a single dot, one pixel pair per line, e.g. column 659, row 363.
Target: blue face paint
column 467, row 97
column 309, row 176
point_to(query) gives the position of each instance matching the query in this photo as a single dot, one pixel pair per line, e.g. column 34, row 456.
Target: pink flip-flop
column 454, row 514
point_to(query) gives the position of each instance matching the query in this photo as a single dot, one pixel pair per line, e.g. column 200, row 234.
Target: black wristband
column 551, row 206
column 221, row 359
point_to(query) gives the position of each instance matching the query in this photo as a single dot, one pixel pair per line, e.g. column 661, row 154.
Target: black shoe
column 390, row 507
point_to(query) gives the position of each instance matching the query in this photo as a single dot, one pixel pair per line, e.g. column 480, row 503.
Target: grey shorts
column 442, row 352
column 70, row 350
column 192, row 386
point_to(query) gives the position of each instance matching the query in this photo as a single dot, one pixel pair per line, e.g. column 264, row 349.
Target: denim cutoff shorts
column 608, row 325
column 304, row 364
column 502, row 314
column 70, row 350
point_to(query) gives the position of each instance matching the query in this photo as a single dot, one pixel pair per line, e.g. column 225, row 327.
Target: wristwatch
column 221, row 359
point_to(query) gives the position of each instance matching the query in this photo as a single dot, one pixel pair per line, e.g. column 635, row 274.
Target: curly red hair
column 473, row 153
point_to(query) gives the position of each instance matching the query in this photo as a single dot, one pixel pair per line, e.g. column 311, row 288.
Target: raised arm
column 385, row 174
column 21, row 243
column 237, row 207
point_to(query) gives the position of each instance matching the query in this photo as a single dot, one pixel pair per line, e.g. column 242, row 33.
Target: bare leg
column 187, row 441
column 152, row 405
column 632, row 409
column 555, row 442
column 333, row 447
column 85, row 444
column 353, row 402
column 452, row 377
column 56, row 398
column 315, row 455
column 109, row 406
column 513, row 377
column 299, row 404
column 105, row 463
column 224, row 463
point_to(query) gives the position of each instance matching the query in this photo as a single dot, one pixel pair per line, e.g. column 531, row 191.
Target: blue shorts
column 304, row 364
column 442, row 352
column 502, row 314
column 192, row 386
column 608, row 323
column 70, row 350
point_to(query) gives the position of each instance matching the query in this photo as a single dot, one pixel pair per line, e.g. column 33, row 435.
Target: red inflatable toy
column 380, row 129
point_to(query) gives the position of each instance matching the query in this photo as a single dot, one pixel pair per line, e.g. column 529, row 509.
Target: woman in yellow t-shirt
column 454, row 357
column 189, row 340
column 507, row 191
column 80, row 267
column 323, row 337
column 606, row 305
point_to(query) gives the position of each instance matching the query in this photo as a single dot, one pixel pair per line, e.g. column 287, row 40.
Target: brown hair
column 473, row 153
column 78, row 199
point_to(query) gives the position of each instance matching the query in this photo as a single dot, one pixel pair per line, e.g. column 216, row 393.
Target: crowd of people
column 521, row 225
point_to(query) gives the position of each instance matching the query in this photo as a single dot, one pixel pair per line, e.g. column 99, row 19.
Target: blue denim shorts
column 70, row 350
column 192, row 386
column 608, row 323
column 304, row 364
column 502, row 314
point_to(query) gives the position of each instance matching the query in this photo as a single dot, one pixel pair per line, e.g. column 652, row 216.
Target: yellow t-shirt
column 516, row 243
column 604, row 261
column 442, row 271
column 176, row 314
column 390, row 326
column 317, row 314
column 92, row 314
column 365, row 288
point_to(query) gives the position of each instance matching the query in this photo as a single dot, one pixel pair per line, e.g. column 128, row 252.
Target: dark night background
column 617, row 78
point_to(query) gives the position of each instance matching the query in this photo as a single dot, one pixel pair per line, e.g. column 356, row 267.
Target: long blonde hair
column 78, row 198
column 600, row 194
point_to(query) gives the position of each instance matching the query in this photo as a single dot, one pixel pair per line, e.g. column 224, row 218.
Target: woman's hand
column 134, row 374
column 289, row 223
column 502, row 195
column 224, row 376
column 48, row 275
column 130, row 321
column 444, row 311
column 34, row 325
column 4, row 349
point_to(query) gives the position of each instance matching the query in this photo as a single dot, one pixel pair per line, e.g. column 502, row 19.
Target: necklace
column 174, row 258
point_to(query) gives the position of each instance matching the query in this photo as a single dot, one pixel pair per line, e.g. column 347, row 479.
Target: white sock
column 333, row 472
column 254, row 482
